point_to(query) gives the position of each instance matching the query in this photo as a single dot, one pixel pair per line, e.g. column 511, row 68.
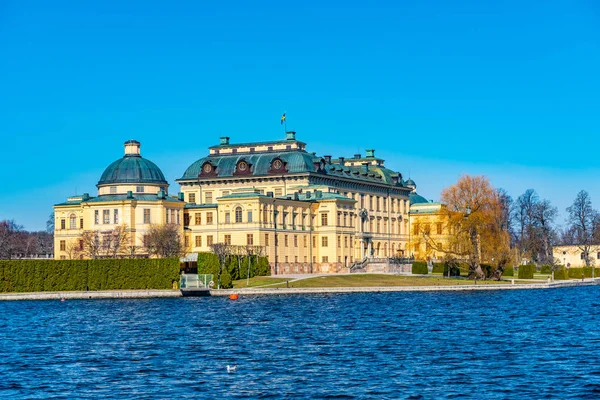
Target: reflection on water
column 513, row 344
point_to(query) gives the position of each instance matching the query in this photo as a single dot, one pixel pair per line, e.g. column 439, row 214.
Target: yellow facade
column 308, row 214
column 573, row 256
column 128, row 198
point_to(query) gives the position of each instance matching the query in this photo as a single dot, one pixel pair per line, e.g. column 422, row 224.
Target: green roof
column 417, row 199
column 192, row 205
column 243, row 195
column 132, row 168
column 120, row 197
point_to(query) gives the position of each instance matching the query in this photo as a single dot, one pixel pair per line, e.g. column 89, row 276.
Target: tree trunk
column 475, row 268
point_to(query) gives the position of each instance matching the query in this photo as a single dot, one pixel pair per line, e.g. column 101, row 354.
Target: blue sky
column 505, row 89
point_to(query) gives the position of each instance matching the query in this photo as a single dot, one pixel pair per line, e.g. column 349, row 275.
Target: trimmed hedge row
column 65, row 275
column 208, row 263
column 575, row 273
column 419, row 268
column 508, row 271
column 526, row 271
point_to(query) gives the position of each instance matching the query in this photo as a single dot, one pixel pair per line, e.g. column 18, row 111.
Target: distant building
column 574, row 256
column 430, row 231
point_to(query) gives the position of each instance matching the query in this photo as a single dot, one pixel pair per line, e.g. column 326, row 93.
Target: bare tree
column 164, row 241
column 222, row 251
column 9, row 231
column 114, row 243
column 50, row 223
column 92, row 244
column 582, row 219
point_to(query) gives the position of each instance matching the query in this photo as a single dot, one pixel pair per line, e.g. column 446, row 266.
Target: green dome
column 410, row 182
column 132, row 168
column 416, row 198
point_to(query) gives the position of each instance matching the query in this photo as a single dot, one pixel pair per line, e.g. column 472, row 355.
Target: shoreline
column 169, row 293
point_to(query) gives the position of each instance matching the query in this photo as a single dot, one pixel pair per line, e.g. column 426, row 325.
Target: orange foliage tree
column 476, row 213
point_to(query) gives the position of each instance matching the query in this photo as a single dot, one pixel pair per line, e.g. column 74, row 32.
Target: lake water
column 503, row 344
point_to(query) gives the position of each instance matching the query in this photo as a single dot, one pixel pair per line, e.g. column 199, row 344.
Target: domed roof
column 416, row 198
column 132, row 168
column 410, row 182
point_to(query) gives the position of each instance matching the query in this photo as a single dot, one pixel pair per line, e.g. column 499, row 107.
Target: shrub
column 526, row 271
column 65, row 275
column 508, row 271
column 419, row 268
column 453, row 267
column 546, row 269
column 438, row 268
column 226, row 282
column 561, row 273
column 575, row 273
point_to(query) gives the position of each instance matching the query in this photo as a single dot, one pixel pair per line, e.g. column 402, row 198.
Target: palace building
column 307, row 213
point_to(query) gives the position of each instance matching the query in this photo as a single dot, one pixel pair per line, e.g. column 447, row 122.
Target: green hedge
column 575, row 273
column 526, row 271
column 65, row 275
column 561, row 274
column 438, row 268
column 508, row 271
column 452, row 267
column 208, row 263
column 419, row 268
column 546, row 269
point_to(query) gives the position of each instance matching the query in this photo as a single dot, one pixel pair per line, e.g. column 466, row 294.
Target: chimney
column 318, row 194
column 357, row 156
column 341, row 161
column 370, row 153
column 129, row 194
column 327, row 159
column 365, row 167
column 296, row 196
column 224, row 141
column 132, row 148
column 269, row 194
column 290, row 135
column 308, row 194
column 85, row 197
column 180, row 196
column 161, row 194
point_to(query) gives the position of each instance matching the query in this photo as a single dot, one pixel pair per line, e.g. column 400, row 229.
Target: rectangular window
column 96, row 217
column 197, row 219
column 416, row 229
column 208, row 198
column 249, row 216
column 113, row 189
column 192, row 198
column 346, row 241
column 63, row 224
column 378, row 200
column 325, row 259
column 106, row 216
column 339, row 241
column 186, row 219
column 295, row 240
column 305, row 241
column 63, row 245
column 286, row 259
column 167, row 216
column 227, row 218
column 278, row 191
column 186, row 241
column 80, row 223
column 296, row 259
column 324, row 241
column 225, row 193
column 339, row 219
column 439, row 228
column 198, row 241
column 285, row 240
column 266, row 239
column 314, row 244
column 227, row 239
column 209, row 240
column 385, row 204
column 146, row 215
column 305, row 258
column 426, row 229
column 115, row 216
column 250, row 239
column 323, row 219
column 209, row 218
column 139, row 189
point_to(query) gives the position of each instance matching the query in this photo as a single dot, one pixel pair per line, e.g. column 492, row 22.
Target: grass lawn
column 257, row 281
column 362, row 280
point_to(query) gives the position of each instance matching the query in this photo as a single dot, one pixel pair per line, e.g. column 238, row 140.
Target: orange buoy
column 233, row 296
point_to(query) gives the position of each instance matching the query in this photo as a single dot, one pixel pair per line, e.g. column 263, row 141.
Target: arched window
column 72, row 221
column 238, row 214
